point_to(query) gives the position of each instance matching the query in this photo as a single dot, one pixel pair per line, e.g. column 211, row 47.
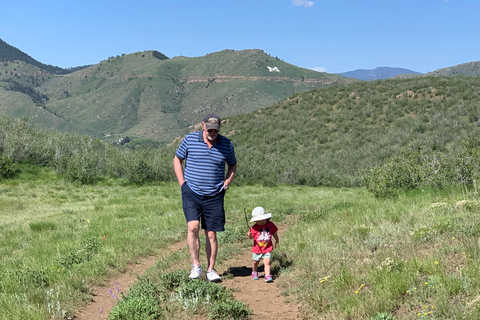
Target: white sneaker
column 196, row 272
column 213, row 276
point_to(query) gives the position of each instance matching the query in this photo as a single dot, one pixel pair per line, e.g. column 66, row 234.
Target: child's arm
column 249, row 234
column 275, row 236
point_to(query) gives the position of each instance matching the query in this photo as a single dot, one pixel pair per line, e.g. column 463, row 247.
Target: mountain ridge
column 11, row 53
column 378, row 73
column 147, row 95
column 143, row 96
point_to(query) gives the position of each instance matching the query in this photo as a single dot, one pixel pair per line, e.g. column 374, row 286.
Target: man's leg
column 213, row 222
column 193, row 241
column 192, row 209
column 211, row 247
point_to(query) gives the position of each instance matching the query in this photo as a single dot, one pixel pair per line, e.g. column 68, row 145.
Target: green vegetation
column 469, row 69
column 79, row 158
column 146, row 95
column 349, row 254
column 386, row 135
column 330, row 136
column 397, row 238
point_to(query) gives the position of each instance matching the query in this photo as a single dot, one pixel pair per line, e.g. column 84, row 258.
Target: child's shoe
column 268, row 278
column 255, row 275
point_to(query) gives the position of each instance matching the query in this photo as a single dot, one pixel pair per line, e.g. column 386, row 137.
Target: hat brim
column 212, row 126
column 261, row 217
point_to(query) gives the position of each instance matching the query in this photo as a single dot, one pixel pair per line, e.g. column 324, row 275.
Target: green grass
column 365, row 257
column 348, row 255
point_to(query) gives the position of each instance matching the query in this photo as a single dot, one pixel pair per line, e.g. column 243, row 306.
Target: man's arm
column 177, row 166
column 230, row 174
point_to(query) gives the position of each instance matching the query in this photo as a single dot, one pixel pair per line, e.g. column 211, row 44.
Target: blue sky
column 333, row 36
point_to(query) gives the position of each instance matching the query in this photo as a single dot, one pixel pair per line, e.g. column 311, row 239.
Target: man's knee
column 212, row 235
column 193, row 227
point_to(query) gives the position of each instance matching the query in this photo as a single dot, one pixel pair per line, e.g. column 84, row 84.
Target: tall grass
column 350, row 255
column 78, row 158
column 411, row 257
column 65, row 237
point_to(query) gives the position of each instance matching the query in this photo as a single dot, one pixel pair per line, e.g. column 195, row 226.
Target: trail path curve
column 263, row 298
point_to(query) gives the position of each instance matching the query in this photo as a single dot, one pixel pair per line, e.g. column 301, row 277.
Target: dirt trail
column 263, row 298
column 103, row 301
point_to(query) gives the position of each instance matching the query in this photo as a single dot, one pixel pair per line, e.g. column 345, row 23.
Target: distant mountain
column 378, row 73
column 147, row 95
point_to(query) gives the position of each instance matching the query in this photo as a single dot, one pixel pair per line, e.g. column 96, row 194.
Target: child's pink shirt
column 262, row 237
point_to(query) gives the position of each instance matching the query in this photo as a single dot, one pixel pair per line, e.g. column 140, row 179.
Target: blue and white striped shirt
column 204, row 167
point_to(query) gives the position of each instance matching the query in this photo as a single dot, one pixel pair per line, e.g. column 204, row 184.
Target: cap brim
column 212, row 126
column 262, row 217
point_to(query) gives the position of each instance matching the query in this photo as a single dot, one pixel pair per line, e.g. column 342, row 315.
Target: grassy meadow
column 348, row 256
column 377, row 182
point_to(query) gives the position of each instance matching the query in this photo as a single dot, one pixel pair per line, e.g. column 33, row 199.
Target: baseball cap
column 212, row 121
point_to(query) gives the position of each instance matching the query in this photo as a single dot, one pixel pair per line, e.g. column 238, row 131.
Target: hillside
column 146, row 95
column 10, row 53
column 469, row 69
column 329, row 135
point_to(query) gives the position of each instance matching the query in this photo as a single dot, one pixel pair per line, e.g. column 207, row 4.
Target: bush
column 382, row 316
column 229, row 309
column 202, row 291
column 136, row 308
column 142, row 302
column 173, row 280
column 8, row 168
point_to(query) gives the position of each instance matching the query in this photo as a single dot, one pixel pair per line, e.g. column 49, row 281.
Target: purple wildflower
column 111, row 293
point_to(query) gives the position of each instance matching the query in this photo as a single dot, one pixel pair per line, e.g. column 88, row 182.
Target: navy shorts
column 208, row 210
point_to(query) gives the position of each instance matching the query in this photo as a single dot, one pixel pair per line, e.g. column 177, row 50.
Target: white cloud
column 320, row 69
column 305, row 3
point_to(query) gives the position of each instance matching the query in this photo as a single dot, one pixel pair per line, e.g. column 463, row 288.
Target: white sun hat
column 259, row 214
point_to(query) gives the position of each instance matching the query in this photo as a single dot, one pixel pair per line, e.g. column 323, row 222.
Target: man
column 203, row 185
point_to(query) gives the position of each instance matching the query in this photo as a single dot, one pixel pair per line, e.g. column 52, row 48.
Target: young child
column 262, row 232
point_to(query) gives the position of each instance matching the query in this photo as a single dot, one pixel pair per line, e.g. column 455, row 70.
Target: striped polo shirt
column 204, row 167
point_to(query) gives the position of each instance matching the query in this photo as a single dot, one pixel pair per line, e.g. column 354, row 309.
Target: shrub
column 8, row 168
column 136, row 308
column 382, row 316
column 202, row 291
column 229, row 309
column 173, row 280
column 25, row 277
column 142, row 302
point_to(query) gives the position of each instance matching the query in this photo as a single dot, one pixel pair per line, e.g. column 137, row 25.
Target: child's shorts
column 258, row 256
